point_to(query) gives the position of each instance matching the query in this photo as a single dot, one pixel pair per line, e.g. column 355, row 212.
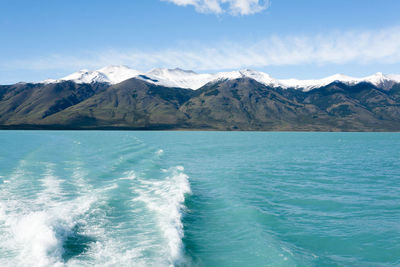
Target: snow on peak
column 189, row 79
column 382, row 81
column 86, row 76
column 176, row 78
column 261, row 77
column 117, row 74
column 109, row 74
column 307, row 85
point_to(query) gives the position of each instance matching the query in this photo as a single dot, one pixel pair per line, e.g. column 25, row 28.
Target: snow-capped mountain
column 189, row 79
column 117, row 74
column 192, row 80
column 307, row 85
column 177, row 78
column 109, row 74
column 383, row 81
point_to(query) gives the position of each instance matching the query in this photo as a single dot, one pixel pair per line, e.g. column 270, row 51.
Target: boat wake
column 166, row 199
column 36, row 229
column 57, row 214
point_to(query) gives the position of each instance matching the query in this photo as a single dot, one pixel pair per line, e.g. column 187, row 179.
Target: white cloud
column 234, row 7
column 351, row 47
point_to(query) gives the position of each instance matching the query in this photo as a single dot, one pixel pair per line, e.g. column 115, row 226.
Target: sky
column 307, row 39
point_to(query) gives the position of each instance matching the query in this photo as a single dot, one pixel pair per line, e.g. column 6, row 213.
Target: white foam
column 78, row 178
column 111, row 253
column 38, row 236
column 159, row 152
column 34, row 230
column 166, row 199
column 35, row 226
column 130, row 175
column 127, row 242
column 52, row 186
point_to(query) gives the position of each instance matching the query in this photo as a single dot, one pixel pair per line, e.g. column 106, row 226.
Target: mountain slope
column 225, row 104
column 248, row 105
column 31, row 103
column 241, row 104
column 130, row 104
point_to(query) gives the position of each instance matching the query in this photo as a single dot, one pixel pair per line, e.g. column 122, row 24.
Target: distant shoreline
column 166, row 129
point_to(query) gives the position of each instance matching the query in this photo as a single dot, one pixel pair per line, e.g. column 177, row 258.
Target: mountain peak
column 178, row 77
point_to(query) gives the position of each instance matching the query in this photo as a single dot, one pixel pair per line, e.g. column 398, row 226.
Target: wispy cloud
column 359, row 47
column 233, row 7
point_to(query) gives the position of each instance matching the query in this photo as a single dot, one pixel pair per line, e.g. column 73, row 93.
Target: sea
column 187, row 198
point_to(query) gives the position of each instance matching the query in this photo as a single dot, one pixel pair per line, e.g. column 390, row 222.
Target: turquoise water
column 199, row 199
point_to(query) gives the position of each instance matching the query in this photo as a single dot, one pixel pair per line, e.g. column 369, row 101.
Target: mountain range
column 192, row 80
column 117, row 97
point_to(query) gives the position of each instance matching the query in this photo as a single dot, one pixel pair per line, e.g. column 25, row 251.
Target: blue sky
column 286, row 38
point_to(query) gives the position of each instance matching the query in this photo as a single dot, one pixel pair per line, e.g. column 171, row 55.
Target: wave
column 165, row 198
column 36, row 230
column 55, row 215
column 159, row 152
column 40, row 236
column 149, row 230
